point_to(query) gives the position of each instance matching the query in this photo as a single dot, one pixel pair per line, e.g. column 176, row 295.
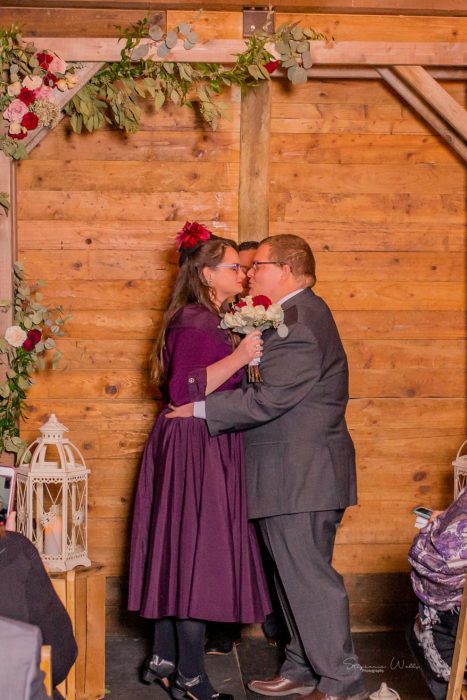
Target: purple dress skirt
column 193, row 552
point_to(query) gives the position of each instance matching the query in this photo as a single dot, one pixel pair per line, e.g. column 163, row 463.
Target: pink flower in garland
column 15, row 111
column 33, row 338
column 44, row 93
column 57, row 65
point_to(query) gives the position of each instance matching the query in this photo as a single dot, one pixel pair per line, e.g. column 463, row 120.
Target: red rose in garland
column 271, row 66
column 240, row 304
column 50, row 80
column 30, row 121
column 19, row 137
column 45, row 59
column 27, row 96
column 33, row 338
column 192, row 234
column 261, row 300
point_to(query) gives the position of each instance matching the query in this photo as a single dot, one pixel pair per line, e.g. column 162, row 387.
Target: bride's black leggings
column 182, row 642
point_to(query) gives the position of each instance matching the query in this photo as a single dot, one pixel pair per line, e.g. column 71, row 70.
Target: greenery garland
column 111, row 97
column 23, row 350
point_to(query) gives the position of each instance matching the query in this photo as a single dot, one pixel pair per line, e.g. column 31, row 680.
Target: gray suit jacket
column 299, row 454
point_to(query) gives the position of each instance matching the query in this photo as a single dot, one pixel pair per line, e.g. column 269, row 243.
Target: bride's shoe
column 157, row 669
column 197, row 688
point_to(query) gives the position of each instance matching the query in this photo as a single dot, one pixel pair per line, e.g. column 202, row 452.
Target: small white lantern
column 51, row 499
column 460, row 470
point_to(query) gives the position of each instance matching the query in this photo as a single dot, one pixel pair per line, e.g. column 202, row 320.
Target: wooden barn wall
column 381, row 201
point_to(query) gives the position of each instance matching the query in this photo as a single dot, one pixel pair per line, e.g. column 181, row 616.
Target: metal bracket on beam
column 258, row 20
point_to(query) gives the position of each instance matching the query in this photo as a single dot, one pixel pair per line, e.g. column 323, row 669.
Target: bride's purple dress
column 193, row 551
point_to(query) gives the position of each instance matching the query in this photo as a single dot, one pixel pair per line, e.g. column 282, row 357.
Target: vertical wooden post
column 255, row 135
column 7, row 256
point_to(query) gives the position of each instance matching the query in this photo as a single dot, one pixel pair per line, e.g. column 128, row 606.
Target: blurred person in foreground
column 28, row 596
column 438, row 557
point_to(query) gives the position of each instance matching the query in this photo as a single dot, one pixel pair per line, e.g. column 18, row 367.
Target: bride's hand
column 250, row 347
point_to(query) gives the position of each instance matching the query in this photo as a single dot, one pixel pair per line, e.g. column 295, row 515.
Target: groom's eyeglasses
column 257, row 263
column 233, row 266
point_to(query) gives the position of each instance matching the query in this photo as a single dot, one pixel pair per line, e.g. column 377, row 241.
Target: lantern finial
column 53, row 431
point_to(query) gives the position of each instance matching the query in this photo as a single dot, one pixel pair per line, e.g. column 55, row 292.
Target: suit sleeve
column 47, row 612
column 290, row 368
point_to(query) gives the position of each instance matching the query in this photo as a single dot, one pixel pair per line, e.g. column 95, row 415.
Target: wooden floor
column 383, row 656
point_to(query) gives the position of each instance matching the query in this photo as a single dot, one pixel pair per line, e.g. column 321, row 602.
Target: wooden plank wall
column 381, row 201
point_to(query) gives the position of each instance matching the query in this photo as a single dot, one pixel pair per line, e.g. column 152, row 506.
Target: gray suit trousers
column 314, row 601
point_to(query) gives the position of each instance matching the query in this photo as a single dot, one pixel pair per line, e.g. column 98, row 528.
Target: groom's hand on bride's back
column 185, row 411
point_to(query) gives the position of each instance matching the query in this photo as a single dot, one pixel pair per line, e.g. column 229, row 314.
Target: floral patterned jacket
column 439, row 557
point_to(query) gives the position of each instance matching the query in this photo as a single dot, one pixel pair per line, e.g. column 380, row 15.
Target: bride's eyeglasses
column 234, row 266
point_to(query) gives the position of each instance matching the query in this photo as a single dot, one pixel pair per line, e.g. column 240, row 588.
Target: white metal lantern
column 460, row 471
column 51, row 499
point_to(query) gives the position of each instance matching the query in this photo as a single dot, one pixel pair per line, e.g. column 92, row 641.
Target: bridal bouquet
column 255, row 312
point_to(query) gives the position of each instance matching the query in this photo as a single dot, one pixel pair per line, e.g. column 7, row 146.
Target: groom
column 300, row 471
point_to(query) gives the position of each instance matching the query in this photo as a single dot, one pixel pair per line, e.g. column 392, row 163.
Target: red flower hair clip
column 190, row 238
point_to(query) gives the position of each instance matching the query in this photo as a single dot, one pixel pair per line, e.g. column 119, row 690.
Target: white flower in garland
column 15, row 336
column 32, row 82
column 14, row 89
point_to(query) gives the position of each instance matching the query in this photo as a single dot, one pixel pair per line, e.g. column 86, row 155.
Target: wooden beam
column 395, row 7
column 426, row 112
column 7, row 257
column 255, row 135
column 357, row 53
column 359, row 73
column 83, row 76
column 436, row 96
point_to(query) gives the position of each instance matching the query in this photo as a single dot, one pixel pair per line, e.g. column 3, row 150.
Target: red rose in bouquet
column 240, row 304
column 192, row 234
column 30, row 121
column 45, row 59
column 19, row 137
column 261, row 300
column 26, row 95
column 33, row 338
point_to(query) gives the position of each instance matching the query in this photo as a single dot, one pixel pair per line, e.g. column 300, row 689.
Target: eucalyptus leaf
column 171, row 39
column 184, row 28
column 193, row 37
column 4, row 390
column 155, row 32
column 306, row 60
column 162, row 50
column 140, row 52
column 49, row 343
column 23, row 383
column 297, row 33
column 159, row 99
column 188, row 45
column 300, row 76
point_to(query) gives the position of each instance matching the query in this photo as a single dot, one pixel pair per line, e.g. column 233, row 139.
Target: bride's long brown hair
column 190, row 287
